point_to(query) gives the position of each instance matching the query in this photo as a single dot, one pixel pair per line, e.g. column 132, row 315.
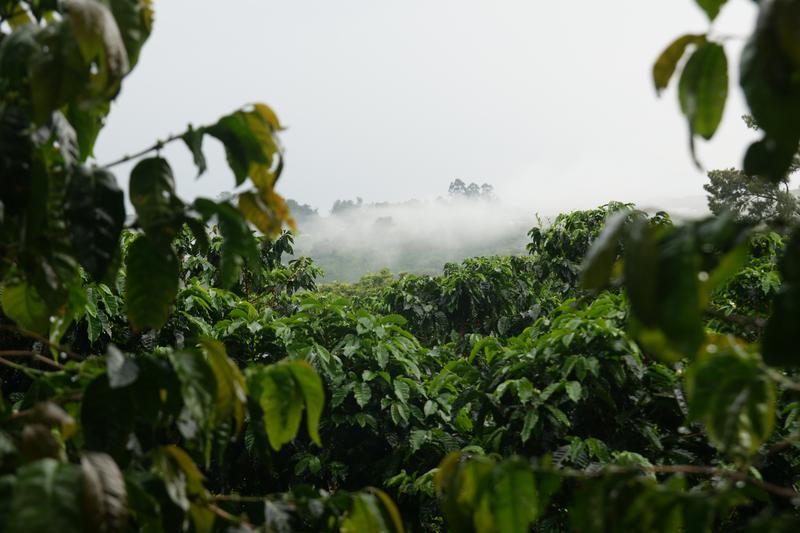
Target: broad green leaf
column 711, row 7
column 151, row 282
column 313, row 395
column 96, row 215
column 100, row 42
column 231, row 393
column 194, row 141
column 779, row 341
column 135, row 20
column 667, row 62
column 732, row 396
column 513, row 497
column 23, row 305
column 365, row 516
column 107, row 418
column 199, row 393
column 574, row 390
column 152, row 193
column 242, row 146
column 122, row 371
column 703, row 89
column 281, row 401
column 531, row 418
column 105, row 500
column 239, row 247
column 182, row 479
column 769, row 78
column 47, row 495
column 362, row 393
column 599, row 261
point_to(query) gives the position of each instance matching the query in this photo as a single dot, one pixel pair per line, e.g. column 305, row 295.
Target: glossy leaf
column 96, row 215
column 47, row 494
column 703, row 89
column 734, row 399
column 151, row 282
column 22, row 304
column 152, row 193
column 711, row 7
column 105, row 501
column 667, row 62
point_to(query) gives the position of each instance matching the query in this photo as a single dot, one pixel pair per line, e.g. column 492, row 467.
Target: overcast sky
column 551, row 102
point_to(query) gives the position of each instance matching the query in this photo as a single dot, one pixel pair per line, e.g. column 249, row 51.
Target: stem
column 155, row 147
column 30, row 372
column 225, row 515
column 40, row 338
column 735, row 475
column 33, row 355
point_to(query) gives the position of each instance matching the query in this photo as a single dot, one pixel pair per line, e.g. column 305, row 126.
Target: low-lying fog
column 421, row 236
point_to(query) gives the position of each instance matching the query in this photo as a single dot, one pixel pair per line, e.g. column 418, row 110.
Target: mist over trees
column 360, row 237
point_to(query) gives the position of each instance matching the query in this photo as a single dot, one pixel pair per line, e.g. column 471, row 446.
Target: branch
column 33, row 355
column 225, row 515
column 154, row 148
column 45, row 340
column 31, row 372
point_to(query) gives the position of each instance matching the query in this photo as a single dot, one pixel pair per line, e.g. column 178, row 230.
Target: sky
column 550, row 102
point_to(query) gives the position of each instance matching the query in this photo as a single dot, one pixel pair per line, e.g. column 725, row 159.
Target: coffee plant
column 169, row 370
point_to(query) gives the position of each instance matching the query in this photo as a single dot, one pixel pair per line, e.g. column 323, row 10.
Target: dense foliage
column 629, row 374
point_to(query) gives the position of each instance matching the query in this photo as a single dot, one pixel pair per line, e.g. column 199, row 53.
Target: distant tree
column 457, row 188
column 342, row 206
column 300, row 211
column 460, row 190
column 749, row 198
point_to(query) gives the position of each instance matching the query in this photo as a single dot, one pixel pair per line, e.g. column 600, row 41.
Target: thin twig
column 721, row 472
column 222, row 513
column 42, row 339
column 21, row 368
column 155, row 147
column 735, row 475
column 33, row 355
column 237, row 498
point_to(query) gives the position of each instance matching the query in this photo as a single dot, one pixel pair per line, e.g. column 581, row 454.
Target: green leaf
column 135, row 20
column 362, row 394
column 242, row 146
column 667, row 62
column 105, row 500
column 22, row 304
column 122, row 370
column 280, row 399
column 194, row 141
column 47, row 495
column 703, row 89
column 152, row 193
column 531, row 418
column 600, row 258
column 96, row 215
column 199, row 392
column 366, row 516
column 769, row 78
column 239, row 246
column 151, row 282
column 574, row 390
column 231, row 392
column 727, row 391
column 779, row 341
column 313, row 395
column 107, row 418
column 711, row 7
column 100, row 42
column 513, row 497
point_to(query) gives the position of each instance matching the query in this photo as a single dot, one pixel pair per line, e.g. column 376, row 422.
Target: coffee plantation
column 170, row 370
